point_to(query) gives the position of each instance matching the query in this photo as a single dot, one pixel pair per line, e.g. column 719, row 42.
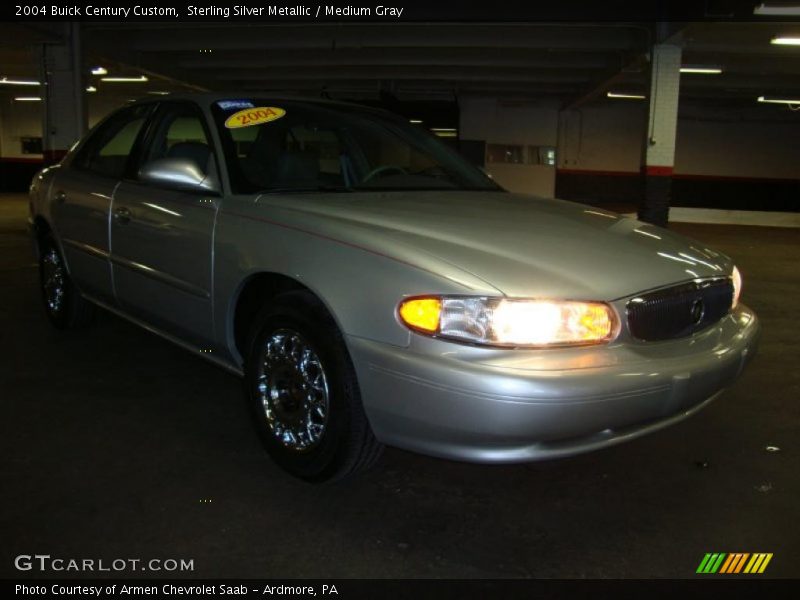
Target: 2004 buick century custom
column 374, row 288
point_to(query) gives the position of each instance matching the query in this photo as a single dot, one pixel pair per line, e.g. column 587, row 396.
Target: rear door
column 161, row 237
column 82, row 195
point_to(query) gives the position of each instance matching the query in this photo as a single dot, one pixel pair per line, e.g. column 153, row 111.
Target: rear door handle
column 122, row 215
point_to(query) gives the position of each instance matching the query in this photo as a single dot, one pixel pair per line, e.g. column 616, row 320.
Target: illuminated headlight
column 736, row 277
column 510, row 322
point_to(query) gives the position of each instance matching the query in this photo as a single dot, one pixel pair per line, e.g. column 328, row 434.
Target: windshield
column 294, row 146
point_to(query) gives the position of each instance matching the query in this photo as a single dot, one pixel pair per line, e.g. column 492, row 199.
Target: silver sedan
column 372, row 287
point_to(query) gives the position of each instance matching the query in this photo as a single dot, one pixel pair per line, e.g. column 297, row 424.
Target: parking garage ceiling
column 569, row 62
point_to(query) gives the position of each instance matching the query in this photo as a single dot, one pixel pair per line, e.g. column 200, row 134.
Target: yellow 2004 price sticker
column 254, row 116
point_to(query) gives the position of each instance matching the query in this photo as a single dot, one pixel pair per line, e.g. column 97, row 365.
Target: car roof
column 208, row 98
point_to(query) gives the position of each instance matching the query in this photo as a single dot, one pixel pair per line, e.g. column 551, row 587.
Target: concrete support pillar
column 64, row 112
column 661, row 132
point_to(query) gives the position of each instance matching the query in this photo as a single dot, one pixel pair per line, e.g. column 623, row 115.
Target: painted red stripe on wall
column 658, row 171
column 21, row 160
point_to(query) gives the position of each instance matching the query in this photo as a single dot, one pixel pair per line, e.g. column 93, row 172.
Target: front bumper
column 493, row 405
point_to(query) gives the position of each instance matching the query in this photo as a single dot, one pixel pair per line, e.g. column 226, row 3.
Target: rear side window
column 108, row 149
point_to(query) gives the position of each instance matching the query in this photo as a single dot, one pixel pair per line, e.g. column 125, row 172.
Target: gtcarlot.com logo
column 734, row 563
column 45, row 562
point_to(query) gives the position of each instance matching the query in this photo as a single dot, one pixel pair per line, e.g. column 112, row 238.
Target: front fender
column 359, row 280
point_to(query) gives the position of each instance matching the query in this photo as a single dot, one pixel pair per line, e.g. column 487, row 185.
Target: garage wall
column 498, row 122
column 741, row 158
column 606, row 138
column 24, row 119
column 733, row 148
column 18, row 119
column 735, row 144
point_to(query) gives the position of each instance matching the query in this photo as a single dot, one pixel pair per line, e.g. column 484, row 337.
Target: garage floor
column 116, row 444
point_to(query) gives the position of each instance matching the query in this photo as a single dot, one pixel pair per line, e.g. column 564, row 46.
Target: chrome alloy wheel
column 53, row 281
column 293, row 390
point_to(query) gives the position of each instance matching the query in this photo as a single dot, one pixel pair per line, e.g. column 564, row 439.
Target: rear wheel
column 303, row 393
column 63, row 303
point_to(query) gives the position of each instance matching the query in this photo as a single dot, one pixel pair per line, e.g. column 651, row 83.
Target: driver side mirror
column 179, row 173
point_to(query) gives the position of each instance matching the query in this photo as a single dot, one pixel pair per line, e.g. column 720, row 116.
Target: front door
column 162, row 237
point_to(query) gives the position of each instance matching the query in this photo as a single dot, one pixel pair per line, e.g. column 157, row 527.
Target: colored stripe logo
column 735, row 562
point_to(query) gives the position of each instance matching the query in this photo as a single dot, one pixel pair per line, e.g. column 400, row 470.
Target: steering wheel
column 383, row 169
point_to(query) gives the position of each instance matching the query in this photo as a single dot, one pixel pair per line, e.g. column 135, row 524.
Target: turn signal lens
column 421, row 313
column 736, row 277
column 511, row 322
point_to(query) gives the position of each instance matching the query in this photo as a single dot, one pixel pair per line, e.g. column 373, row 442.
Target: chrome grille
column 679, row 311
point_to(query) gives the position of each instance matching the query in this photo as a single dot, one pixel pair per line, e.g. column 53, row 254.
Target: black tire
column 346, row 444
column 65, row 308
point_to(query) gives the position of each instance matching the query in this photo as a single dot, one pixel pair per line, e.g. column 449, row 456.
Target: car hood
column 522, row 245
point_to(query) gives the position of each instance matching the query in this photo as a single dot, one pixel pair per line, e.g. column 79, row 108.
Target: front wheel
column 63, row 303
column 303, row 392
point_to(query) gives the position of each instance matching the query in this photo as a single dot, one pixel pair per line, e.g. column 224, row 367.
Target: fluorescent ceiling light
column 415, row 121
column 702, row 70
column 444, row 129
column 91, row 89
column 7, row 81
column 445, row 134
column 141, row 79
column 156, row 93
column 788, row 11
column 625, row 96
column 783, row 40
column 99, row 71
column 27, row 99
column 778, row 100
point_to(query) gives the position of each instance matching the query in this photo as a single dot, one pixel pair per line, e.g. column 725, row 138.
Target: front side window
column 108, row 149
column 284, row 146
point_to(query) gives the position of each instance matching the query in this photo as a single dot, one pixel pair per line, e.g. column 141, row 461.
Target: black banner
column 347, row 589
column 244, row 11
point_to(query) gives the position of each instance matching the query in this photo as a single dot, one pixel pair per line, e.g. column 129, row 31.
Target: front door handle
column 60, row 197
column 122, row 215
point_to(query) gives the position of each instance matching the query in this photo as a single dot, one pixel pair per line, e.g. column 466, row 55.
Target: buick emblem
column 697, row 310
